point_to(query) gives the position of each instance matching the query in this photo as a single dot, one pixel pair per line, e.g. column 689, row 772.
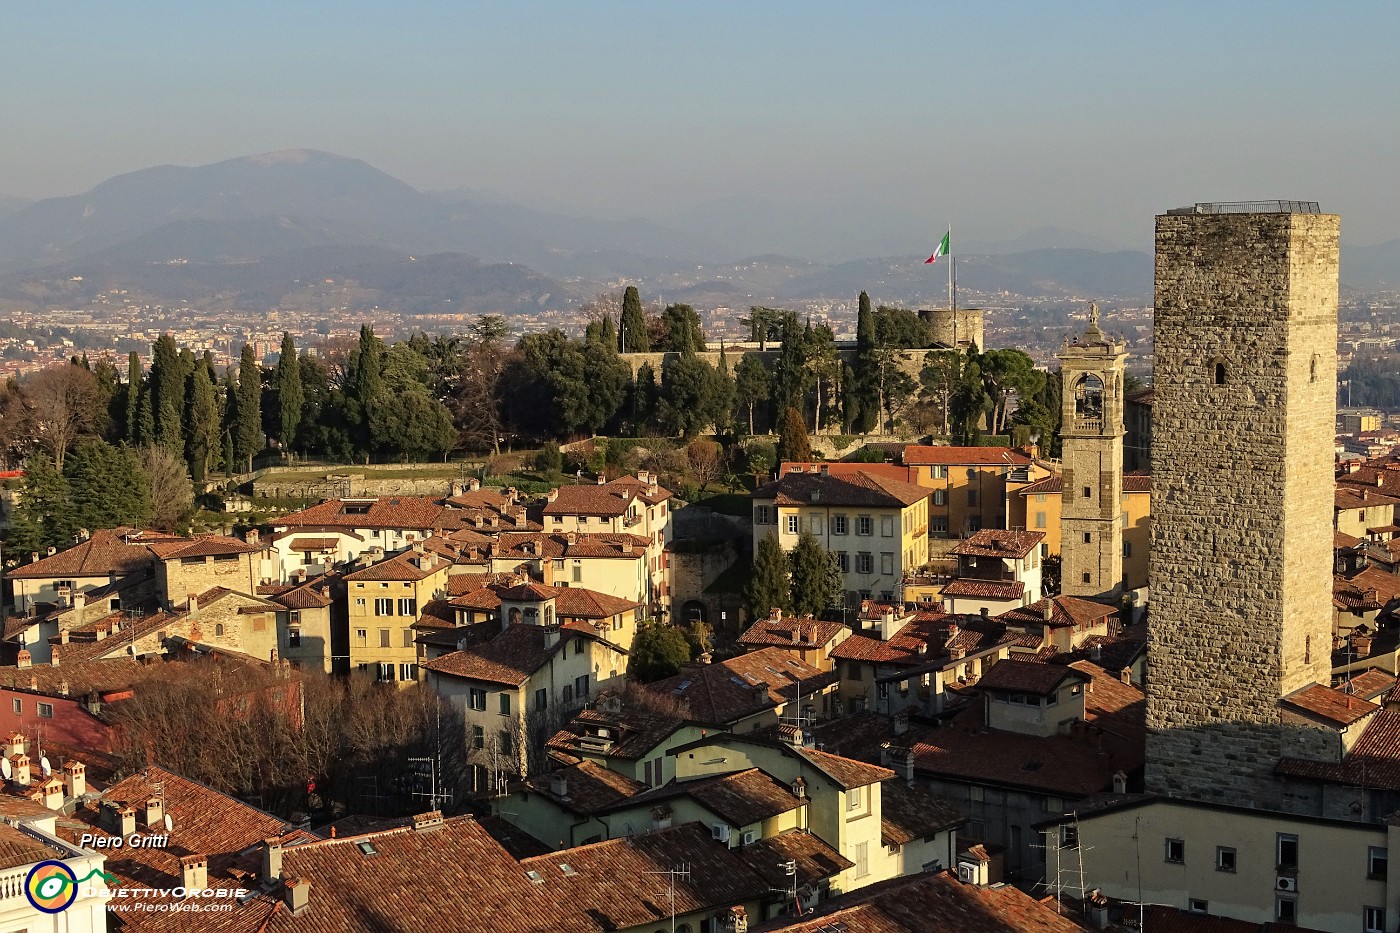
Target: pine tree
column 44, row 516
column 633, row 326
column 752, row 385
column 769, row 586
column 816, row 577
column 290, row 396
column 793, row 446
column 248, row 434
column 107, row 487
column 365, row 381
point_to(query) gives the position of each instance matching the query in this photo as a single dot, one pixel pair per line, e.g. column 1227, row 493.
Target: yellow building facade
column 1036, row 507
column 969, row 485
column 383, row 601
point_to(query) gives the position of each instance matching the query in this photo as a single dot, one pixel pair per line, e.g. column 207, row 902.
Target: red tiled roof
column 1374, row 761
column 838, row 468
column 610, row 499
column 1330, row 704
column 634, row 732
column 569, row 545
column 743, row 797
column 921, row 455
column 1065, row 611
column 103, row 554
column 1054, row 484
column 929, row 903
column 792, row 632
column 314, row 544
column 1019, row 676
column 1360, row 497
column 19, row 848
column 1343, row 541
column 1369, row 685
column 200, row 546
column 415, row 512
column 854, row 490
column 1062, row 765
column 908, row 812
column 401, row 567
column 589, row 787
column 736, row 688
column 993, row 542
column 509, row 658
column 813, row 859
column 933, row 631
column 1004, row 590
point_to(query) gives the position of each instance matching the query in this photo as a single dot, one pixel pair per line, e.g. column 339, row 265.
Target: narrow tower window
column 1312, row 369
column 1220, row 374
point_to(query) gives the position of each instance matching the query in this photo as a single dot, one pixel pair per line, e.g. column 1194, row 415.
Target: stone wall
column 1245, row 338
column 955, row 328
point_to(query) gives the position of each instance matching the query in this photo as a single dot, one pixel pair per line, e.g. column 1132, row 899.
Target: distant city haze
column 828, row 131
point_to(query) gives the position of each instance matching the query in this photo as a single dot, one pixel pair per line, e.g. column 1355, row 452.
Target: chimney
column 63, row 637
column 473, row 485
column 1126, row 675
column 251, row 536
column 79, row 601
column 1362, row 645
column 799, row 787
column 53, row 550
column 1047, row 611
column 297, row 896
column 1096, row 652
column 551, row 495
column 120, row 819
column 733, row 920
column 426, row 822
column 154, row 812
column 551, row 637
column 51, row 793
column 571, row 538
column 25, row 659
column 62, row 686
column 272, row 859
column 456, row 488
column 75, row 779
column 661, row 817
column 559, row 785
column 644, row 476
column 192, row 605
column 14, row 744
column 887, row 628
column 602, row 480
column 194, row 874
column 1120, row 782
column 984, row 612
column 901, row 722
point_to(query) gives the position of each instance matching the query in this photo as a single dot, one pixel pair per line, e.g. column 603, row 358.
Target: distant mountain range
column 310, row 228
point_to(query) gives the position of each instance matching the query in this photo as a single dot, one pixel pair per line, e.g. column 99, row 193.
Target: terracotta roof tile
column 415, row 512
column 509, row 658
column 994, row 542
column 634, row 733
column 200, row 546
column 1066, row 611
column 1369, row 685
column 609, row 500
column 1015, row 675
column 909, row 813
column 743, row 797
column 1329, row 704
column 929, row 903
column 792, row 632
column 813, row 858
column 1374, row 761
column 19, row 848
column 402, row 566
column 854, row 489
column 105, row 553
column 589, row 787
column 922, row 455
column 895, row 471
column 565, row 545
column 1003, row 590
column 727, row 691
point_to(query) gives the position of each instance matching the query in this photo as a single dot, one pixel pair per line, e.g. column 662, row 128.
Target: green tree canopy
column 816, row 577
column 633, row 326
column 291, row 398
column 793, row 444
column 752, row 386
column 658, row 651
column 770, row 585
column 248, row 435
column 683, row 330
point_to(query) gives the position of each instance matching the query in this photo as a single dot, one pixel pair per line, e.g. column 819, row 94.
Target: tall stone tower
column 1091, row 529
column 1241, row 589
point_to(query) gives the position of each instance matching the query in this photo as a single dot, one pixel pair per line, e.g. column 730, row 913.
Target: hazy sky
column 996, row 117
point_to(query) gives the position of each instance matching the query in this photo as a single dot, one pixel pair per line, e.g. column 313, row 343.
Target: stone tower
column 1245, row 395
column 1091, row 408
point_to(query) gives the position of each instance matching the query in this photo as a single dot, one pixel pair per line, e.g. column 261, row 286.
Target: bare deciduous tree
column 62, row 403
column 172, row 494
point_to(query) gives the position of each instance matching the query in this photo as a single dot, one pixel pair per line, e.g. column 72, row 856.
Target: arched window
column 1219, row 373
column 219, row 629
column 1088, row 397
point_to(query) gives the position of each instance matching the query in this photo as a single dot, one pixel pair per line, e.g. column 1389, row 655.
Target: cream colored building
column 604, row 562
column 384, row 601
column 997, row 571
column 875, row 525
column 1246, row 864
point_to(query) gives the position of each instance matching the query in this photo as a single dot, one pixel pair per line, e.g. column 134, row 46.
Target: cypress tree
column 793, row 445
column 864, row 383
column 168, row 390
column 633, row 326
column 816, row 578
column 248, row 433
column 202, row 425
column 290, row 395
column 133, row 396
column 769, row 587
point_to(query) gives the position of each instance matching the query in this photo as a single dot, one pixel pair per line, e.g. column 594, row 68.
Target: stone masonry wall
column 1241, row 498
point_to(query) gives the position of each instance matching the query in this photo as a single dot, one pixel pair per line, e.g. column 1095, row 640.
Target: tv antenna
column 671, row 876
column 789, row 888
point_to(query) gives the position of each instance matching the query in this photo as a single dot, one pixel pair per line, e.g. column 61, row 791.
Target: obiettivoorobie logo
column 52, row 886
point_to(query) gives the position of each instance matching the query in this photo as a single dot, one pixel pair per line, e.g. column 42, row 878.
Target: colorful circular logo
column 51, row 887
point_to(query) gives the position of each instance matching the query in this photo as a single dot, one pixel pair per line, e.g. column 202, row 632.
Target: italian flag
column 942, row 249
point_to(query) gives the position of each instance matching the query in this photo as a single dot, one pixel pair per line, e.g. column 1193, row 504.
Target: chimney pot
column 272, row 859
column 24, row 659
column 194, row 874
column 297, row 894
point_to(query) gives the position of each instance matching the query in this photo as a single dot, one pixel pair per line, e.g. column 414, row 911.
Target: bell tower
column 1091, row 432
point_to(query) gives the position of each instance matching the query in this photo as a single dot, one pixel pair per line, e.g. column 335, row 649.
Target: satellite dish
column 169, row 823
column 5, row 768
column 45, row 767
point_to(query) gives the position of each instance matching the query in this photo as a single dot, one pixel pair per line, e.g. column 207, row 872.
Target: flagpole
column 951, row 298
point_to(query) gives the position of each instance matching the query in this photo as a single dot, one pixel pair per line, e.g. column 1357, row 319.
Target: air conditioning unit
column 967, row 873
column 749, row 837
column 1287, row 884
column 720, row 831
